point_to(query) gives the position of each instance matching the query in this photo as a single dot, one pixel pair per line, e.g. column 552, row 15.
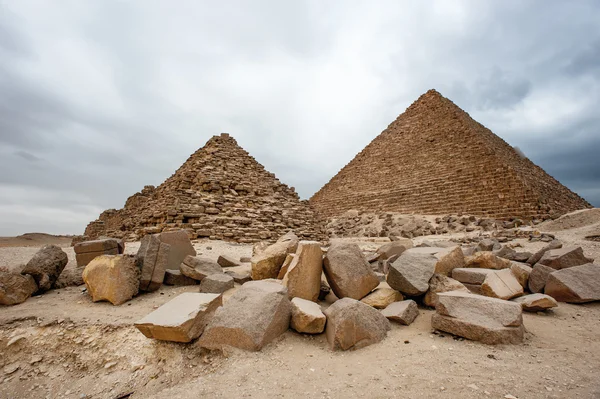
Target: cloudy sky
column 101, row 97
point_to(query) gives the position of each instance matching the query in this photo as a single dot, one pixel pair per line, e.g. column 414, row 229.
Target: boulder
column 266, row 263
column 471, row 276
column 448, row 260
column 255, row 315
column 506, row 253
column 535, row 258
column 393, row 248
column 216, row 283
column 198, row 268
column 501, row 284
column 182, row 319
column 578, row 284
column 488, row 244
column 487, row 260
column 303, row 278
column 181, row 246
column 352, row 325
column 152, row 259
column 522, row 256
column 307, row 317
column 45, row 266
column 239, row 277
column 382, row 297
column 536, row 302
column 86, row 251
column 71, row 277
column 563, row 258
column 175, row 277
column 286, row 265
column 404, row 312
column 410, row 273
column 347, row 271
column 16, row 288
column 479, row 318
column 538, row 278
column 521, row 271
column 113, row 278
column 227, row 261
column 441, row 283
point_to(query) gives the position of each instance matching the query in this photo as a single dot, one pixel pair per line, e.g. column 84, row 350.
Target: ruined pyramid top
column 435, row 159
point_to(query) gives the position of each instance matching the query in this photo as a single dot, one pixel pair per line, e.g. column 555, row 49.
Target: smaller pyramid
column 220, row 192
column 435, row 159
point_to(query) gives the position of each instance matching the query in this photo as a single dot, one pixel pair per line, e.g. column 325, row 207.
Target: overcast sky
column 101, row 97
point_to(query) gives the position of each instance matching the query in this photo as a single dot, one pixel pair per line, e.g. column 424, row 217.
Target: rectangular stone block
column 152, row 259
column 96, row 246
column 84, row 258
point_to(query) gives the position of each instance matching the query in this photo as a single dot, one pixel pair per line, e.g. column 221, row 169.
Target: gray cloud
column 102, row 97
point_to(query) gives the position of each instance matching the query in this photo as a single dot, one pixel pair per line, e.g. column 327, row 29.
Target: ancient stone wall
column 435, row 159
column 220, row 192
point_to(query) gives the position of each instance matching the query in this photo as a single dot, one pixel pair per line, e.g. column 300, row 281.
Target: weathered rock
column 488, row 244
column 479, row 318
column 175, row 277
column 239, row 277
column 538, row 278
column 487, row 260
column 521, row 271
column 441, row 283
column 182, row 319
column 501, row 284
column 245, row 259
column 404, row 312
column 577, row 284
column 113, row 278
column 564, row 258
column 522, row 256
column 347, row 271
column 255, row 315
column 448, row 260
column 382, row 297
column 216, row 283
column 198, row 268
column 535, row 258
column 70, row 278
column 410, row 273
column 394, row 248
column 506, row 253
column 267, row 263
column 474, row 288
column 352, row 325
column 45, row 266
column 286, row 265
column 15, row 288
column 227, row 261
column 307, row 317
column 181, row 247
column 152, row 259
column 471, row 275
column 86, row 251
column 303, row 278
column 536, row 302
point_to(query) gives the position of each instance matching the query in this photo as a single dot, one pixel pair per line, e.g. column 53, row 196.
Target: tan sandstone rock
column 536, row 302
column 286, row 265
column 181, row 246
column 307, row 317
column 113, row 278
column 393, row 248
column 86, row 251
column 303, row 278
column 352, row 325
column 267, row 263
column 182, row 319
column 152, row 260
column 198, row 268
column 216, row 283
column 538, row 277
column 440, row 283
column 563, row 258
column 382, row 297
column 501, row 284
column 410, row 273
column 227, row 261
column 46, row 266
column 404, row 312
column 535, row 258
column 578, row 284
column 347, row 271
column 487, row 260
column 521, row 271
column 448, row 260
column 16, row 288
column 471, row 276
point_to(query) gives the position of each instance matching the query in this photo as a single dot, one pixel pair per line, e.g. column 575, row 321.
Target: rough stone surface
column 267, row 263
column 501, row 284
column 216, row 283
column 564, row 257
column 182, row 319
column 113, row 278
column 535, row 258
column 347, row 271
column 15, row 288
column 488, row 244
column 538, row 278
column 382, row 297
column 352, row 325
column 239, row 277
column 479, row 318
column 393, row 248
column 487, row 260
column 175, row 277
column 471, row 276
column 410, row 273
column 46, row 265
column 521, row 271
column 448, row 260
column 303, row 278
column 578, row 284
column 307, row 317
column 286, row 265
column 441, row 283
column 198, row 268
column 227, row 261
column 86, row 251
column 181, row 246
column 404, row 312
column 70, row 278
column 536, row 302
column 152, row 259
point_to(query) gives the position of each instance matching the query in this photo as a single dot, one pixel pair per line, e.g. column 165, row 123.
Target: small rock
column 536, row 302
column 216, row 283
column 307, row 317
column 227, row 261
column 382, row 297
column 404, row 312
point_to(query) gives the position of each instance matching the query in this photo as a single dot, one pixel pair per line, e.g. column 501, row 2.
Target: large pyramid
column 435, row 159
column 220, row 192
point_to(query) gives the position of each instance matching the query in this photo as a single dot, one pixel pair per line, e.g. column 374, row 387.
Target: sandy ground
column 63, row 345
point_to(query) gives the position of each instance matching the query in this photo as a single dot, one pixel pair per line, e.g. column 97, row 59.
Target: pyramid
column 220, row 192
column 435, row 159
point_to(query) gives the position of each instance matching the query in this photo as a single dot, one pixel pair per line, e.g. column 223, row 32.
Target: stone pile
column 220, row 192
